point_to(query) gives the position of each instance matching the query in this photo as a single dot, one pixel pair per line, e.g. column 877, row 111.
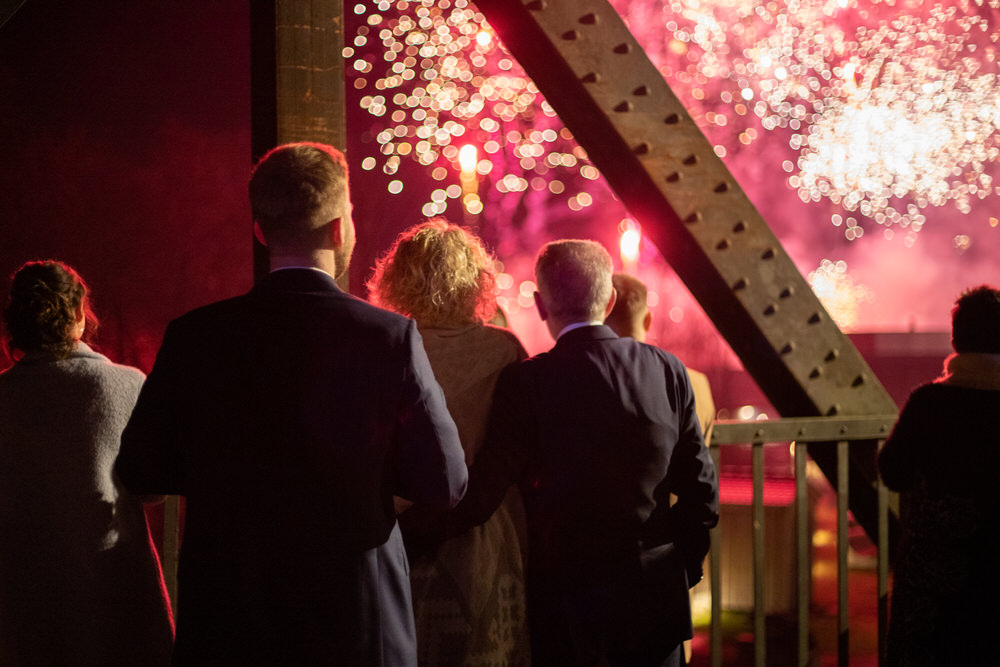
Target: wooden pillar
column 296, row 79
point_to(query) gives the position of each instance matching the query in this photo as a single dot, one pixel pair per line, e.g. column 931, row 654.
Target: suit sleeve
column 502, row 459
column 429, row 461
column 150, row 460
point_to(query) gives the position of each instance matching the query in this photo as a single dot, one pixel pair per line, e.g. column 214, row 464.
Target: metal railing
column 838, row 432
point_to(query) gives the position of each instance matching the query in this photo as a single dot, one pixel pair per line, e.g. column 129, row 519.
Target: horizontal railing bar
column 803, row 429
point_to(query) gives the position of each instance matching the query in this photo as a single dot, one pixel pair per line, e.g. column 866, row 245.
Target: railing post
column 883, row 566
column 803, row 540
column 759, row 589
column 843, row 642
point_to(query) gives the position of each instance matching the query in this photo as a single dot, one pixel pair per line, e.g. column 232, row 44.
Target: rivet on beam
column 674, row 177
column 815, row 373
column 694, row 217
column 814, row 318
column 788, row 348
column 742, row 283
column 623, row 48
column 641, row 91
column 834, row 410
column 740, row 227
column 722, row 187
column 858, row 381
column 591, row 77
column 722, row 245
column 767, row 254
column 571, row 35
column 537, row 5
column 589, row 19
column 624, row 106
column 771, row 309
column 642, row 148
column 787, row 292
column 832, row 355
column 672, row 119
column 691, row 160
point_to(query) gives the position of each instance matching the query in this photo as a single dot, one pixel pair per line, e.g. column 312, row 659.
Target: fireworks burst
column 889, row 107
column 438, row 74
column 838, row 292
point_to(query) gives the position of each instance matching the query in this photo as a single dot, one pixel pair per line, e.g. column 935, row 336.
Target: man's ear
column 337, row 234
column 611, row 302
column 542, row 313
column 258, row 233
column 647, row 321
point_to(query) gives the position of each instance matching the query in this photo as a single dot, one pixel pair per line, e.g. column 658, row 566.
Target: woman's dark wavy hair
column 975, row 321
column 41, row 310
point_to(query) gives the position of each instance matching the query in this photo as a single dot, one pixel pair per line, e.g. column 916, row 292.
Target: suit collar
column 585, row 335
column 297, row 280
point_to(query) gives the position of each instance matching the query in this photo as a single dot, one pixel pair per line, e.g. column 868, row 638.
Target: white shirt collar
column 578, row 325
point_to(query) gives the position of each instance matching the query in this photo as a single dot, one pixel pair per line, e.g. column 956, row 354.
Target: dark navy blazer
column 598, row 432
column 288, row 418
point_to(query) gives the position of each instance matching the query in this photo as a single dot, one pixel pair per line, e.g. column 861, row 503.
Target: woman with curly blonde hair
column 468, row 592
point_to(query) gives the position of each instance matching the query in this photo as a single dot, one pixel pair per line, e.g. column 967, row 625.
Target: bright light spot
column 676, row 314
column 483, row 38
column 746, row 412
column 629, row 245
column 527, row 288
column 653, row 299
column 504, row 281
column 395, row 187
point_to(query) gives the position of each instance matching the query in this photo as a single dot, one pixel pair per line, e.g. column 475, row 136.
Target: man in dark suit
column 598, row 432
column 288, row 417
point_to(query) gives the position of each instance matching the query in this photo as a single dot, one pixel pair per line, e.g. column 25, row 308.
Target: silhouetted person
column 468, row 593
column 631, row 317
column 598, row 432
column 288, row 417
column 943, row 456
column 79, row 580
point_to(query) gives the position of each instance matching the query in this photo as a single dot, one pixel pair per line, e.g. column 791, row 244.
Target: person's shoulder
column 506, row 338
column 658, row 353
column 217, row 310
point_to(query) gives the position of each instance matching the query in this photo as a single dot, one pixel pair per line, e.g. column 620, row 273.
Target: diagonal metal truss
column 595, row 75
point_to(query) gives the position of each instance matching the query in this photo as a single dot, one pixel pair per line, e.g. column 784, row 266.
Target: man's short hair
column 298, row 188
column 574, row 279
column 975, row 321
column 630, row 304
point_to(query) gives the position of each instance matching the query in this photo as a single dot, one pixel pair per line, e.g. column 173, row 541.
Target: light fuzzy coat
column 79, row 582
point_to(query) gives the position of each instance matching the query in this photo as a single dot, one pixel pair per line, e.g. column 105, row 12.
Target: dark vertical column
column 296, row 79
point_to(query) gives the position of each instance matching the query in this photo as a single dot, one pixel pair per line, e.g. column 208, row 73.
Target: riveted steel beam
column 593, row 72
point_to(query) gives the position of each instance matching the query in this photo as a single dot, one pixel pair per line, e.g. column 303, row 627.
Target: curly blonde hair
column 437, row 273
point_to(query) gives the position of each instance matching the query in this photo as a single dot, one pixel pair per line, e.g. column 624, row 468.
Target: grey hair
column 574, row 279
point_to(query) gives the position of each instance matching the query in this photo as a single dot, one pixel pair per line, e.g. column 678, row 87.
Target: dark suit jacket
column 288, row 418
column 599, row 432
